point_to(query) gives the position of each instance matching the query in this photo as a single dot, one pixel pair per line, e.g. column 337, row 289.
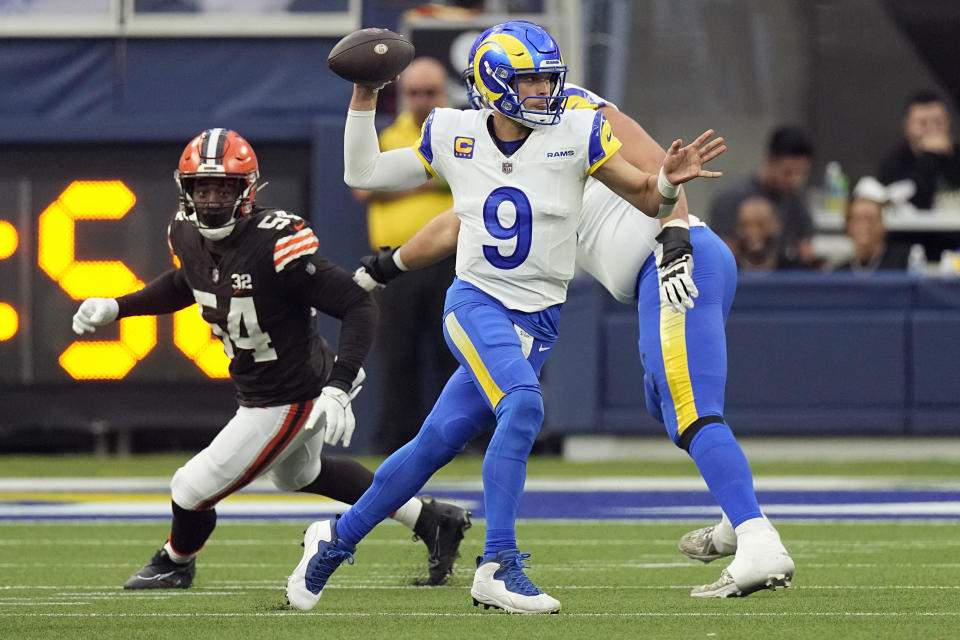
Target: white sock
column 724, row 537
column 757, row 535
column 409, row 513
column 176, row 557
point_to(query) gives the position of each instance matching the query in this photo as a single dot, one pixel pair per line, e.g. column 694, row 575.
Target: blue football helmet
column 503, row 54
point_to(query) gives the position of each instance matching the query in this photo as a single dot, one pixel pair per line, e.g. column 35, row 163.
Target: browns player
column 256, row 275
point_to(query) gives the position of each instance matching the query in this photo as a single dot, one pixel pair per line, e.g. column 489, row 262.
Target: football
column 370, row 56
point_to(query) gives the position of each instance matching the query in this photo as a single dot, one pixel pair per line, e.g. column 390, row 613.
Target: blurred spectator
column 758, row 237
column 867, row 232
column 782, row 179
column 414, row 358
column 927, row 155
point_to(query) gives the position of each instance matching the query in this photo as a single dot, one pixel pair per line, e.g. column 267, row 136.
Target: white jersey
column 518, row 213
column 614, row 239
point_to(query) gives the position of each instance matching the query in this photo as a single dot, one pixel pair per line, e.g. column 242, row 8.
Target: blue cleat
column 501, row 583
column 323, row 552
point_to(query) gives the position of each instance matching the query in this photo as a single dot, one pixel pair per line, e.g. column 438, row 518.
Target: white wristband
column 679, row 222
column 666, row 188
column 397, row 261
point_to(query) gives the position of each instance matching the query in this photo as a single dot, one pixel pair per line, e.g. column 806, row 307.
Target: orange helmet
column 225, row 167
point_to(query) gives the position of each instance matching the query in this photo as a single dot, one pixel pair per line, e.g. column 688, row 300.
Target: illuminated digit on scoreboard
column 191, row 334
column 94, row 200
column 110, row 359
column 9, row 320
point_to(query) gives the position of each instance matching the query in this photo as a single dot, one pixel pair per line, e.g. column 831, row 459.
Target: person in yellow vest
column 410, row 341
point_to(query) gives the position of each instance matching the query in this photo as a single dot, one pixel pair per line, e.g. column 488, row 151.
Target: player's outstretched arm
column 657, row 195
column 641, row 150
column 165, row 294
column 364, row 165
column 435, row 241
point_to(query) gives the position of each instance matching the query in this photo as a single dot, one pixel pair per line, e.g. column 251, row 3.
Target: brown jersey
column 257, row 289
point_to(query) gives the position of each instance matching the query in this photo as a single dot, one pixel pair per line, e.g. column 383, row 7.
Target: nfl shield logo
column 507, row 167
column 215, row 274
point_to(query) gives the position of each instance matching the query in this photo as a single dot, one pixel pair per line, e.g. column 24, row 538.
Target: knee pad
column 182, row 492
column 296, row 471
column 522, row 410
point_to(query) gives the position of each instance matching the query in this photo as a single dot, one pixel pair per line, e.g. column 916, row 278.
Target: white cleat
column 700, row 545
column 502, row 584
column 710, row 543
column 323, row 552
column 746, row 575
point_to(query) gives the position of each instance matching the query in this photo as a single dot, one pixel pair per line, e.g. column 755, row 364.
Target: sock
column 409, row 513
column 340, row 478
column 519, row 416
column 176, row 557
column 189, row 532
column 396, row 481
column 497, row 541
column 724, row 468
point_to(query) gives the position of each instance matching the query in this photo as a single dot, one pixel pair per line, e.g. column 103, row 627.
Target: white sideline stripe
column 774, row 510
column 433, row 614
column 625, row 483
column 115, row 590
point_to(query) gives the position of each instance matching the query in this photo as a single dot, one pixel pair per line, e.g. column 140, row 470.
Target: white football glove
column 93, row 313
column 333, row 413
column 674, row 255
column 363, row 278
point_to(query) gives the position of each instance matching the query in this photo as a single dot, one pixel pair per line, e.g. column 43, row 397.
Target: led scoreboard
column 80, row 221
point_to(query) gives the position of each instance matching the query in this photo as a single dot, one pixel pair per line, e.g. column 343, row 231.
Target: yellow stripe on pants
column 673, row 344
column 462, row 341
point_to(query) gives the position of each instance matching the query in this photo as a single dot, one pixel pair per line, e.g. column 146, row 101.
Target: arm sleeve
column 331, row 290
column 166, row 294
column 366, row 167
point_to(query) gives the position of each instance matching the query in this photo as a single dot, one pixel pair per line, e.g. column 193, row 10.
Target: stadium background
column 809, row 355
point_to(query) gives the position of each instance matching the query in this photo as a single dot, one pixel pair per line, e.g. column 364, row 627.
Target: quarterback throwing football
column 517, row 172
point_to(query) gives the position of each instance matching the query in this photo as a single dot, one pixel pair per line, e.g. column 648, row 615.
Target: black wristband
column 381, row 266
column 676, row 243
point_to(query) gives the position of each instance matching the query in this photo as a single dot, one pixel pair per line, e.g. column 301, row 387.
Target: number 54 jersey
column 253, row 292
column 518, row 213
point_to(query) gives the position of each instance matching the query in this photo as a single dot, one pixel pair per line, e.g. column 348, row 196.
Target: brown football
column 370, row 56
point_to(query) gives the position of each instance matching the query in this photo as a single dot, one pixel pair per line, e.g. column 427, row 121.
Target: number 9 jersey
column 518, row 212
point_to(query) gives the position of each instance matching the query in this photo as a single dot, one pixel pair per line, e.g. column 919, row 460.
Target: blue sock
column 497, row 541
column 519, row 416
column 724, row 468
column 459, row 414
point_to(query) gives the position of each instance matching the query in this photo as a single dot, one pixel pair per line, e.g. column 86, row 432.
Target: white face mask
column 216, row 234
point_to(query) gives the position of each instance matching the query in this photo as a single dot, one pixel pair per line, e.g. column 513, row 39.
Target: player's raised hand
column 93, row 313
column 683, row 164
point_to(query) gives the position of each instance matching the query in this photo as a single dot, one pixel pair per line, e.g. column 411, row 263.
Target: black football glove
column 674, row 255
column 377, row 269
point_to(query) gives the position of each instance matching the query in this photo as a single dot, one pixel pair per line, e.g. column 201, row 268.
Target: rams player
column 256, row 275
column 684, row 355
column 517, row 172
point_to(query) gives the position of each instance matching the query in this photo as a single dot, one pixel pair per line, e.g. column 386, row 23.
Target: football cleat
column 705, row 545
column 746, row 574
column 502, row 584
column 323, row 552
column 440, row 526
column 163, row 573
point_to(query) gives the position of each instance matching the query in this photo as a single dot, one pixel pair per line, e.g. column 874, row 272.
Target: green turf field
column 870, row 580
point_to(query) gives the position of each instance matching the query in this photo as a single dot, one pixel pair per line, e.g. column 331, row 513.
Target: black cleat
column 163, row 573
column 440, row 526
